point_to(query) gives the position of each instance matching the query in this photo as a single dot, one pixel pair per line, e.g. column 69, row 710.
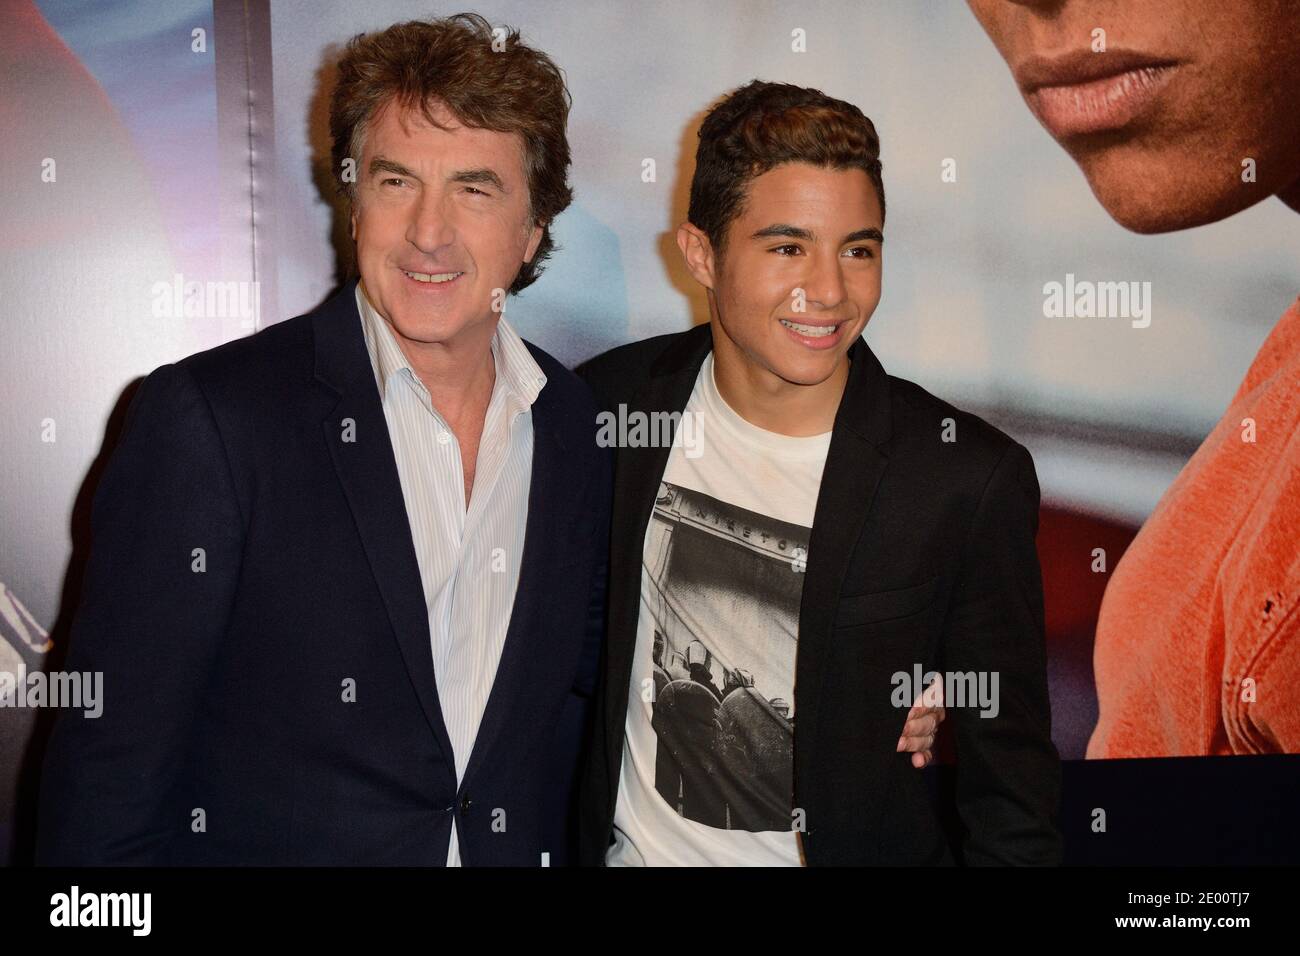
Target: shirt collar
column 517, row 372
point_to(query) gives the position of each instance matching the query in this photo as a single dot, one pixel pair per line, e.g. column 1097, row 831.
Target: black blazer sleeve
column 152, row 614
column 1008, row 771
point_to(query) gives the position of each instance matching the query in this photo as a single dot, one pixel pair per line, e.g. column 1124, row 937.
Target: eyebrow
column 480, row 176
column 381, row 164
column 786, row 231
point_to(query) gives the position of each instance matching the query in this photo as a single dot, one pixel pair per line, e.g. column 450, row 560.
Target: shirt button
column 465, row 803
column 444, row 437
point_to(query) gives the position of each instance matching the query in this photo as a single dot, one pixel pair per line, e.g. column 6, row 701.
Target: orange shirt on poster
column 1198, row 639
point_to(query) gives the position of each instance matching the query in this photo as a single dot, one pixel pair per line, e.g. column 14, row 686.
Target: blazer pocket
column 857, row 609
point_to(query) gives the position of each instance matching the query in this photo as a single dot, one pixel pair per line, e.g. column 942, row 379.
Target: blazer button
column 465, row 803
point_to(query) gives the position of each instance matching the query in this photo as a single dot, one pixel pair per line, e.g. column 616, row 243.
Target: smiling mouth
column 434, row 278
column 812, row 331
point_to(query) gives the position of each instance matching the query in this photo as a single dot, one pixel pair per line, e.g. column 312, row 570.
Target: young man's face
column 1162, row 120
column 450, row 206
column 799, row 274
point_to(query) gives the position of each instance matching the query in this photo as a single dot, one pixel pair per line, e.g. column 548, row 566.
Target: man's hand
column 922, row 725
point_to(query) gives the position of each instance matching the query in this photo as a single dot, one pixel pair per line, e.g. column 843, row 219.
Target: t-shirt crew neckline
column 796, row 447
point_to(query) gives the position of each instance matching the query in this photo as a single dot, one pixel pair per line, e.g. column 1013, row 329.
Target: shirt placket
column 446, row 472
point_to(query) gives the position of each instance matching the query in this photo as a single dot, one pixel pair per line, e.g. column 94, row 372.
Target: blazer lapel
column 551, row 475
column 367, row 470
column 854, row 466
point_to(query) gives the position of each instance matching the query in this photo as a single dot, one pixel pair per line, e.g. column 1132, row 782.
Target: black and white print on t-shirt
column 726, row 585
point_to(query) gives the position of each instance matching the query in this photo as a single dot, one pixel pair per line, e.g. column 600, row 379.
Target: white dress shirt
column 469, row 559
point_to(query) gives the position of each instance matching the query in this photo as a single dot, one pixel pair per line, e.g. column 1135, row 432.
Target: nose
column 431, row 227
column 824, row 284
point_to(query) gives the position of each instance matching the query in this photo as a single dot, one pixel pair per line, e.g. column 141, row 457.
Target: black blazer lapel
column 854, row 466
column 367, row 469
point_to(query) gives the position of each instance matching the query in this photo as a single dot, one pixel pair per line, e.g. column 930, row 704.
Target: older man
column 345, row 586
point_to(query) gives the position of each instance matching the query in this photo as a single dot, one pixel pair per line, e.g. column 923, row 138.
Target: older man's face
column 442, row 226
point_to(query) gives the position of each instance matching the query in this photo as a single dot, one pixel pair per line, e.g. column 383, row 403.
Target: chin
column 1143, row 197
column 428, row 329
column 807, row 371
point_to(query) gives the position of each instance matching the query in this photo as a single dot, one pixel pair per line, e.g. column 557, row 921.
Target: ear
column 698, row 253
column 534, row 241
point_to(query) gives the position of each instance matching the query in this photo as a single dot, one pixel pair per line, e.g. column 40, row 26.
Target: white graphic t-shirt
column 708, row 760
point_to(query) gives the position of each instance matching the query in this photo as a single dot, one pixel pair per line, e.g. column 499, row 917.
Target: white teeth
column 426, row 277
column 812, row 331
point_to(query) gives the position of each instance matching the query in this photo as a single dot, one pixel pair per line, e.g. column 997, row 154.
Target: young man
column 817, row 533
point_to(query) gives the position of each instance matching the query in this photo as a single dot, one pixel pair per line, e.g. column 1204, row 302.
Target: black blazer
column 921, row 551
column 223, row 689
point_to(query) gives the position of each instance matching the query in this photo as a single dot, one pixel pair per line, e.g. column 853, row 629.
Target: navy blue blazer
column 225, row 736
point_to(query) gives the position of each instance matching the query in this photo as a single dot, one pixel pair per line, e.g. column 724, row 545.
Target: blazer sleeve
column 1008, row 770
column 166, row 540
